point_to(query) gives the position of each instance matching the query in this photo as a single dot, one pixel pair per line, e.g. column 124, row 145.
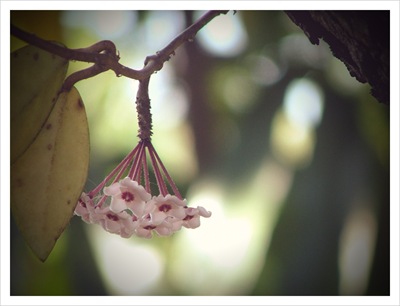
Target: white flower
column 169, row 226
column 145, row 232
column 192, row 219
column 84, row 208
column 167, row 206
column 127, row 194
column 126, row 208
column 129, row 225
column 121, row 223
column 164, row 229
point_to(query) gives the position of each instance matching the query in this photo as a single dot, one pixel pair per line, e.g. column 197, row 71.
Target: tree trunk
column 360, row 39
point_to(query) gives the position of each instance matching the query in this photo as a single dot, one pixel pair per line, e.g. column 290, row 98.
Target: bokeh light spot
column 356, row 251
column 292, row 144
column 161, row 27
column 293, row 127
column 105, row 24
column 264, row 70
column 239, row 91
column 297, row 50
column 225, row 36
column 127, row 267
column 303, row 103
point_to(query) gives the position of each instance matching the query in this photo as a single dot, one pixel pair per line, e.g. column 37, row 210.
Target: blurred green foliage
column 228, row 144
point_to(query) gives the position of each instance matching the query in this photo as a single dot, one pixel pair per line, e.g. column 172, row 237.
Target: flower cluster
column 126, row 208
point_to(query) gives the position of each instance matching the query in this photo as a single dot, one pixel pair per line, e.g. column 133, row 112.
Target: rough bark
column 360, row 39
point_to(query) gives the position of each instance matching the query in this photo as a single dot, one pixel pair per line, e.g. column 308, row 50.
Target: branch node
column 155, row 61
column 105, row 56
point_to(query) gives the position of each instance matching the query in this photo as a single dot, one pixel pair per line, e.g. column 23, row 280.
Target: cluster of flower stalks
column 127, row 208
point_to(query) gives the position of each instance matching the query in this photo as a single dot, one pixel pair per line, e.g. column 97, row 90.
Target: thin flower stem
column 146, row 174
column 125, row 162
column 166, row 174
column 136, row 163
column 123, row 169
column 102, row 200
column 116, row 169
column 138, row 177
column 160, row 181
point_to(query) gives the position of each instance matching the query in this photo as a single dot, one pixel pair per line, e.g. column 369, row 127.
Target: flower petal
column 157, row 217
column 138, row 209
column 190, row 211
column 178, row 213
column 175, row 200
column 192, row 223
column 163, row 231
column 112, row 226
column 144, row 233
column 176, row 225
column 112, row 190
column 203, row 212
column 136, row 189
column 117, row 205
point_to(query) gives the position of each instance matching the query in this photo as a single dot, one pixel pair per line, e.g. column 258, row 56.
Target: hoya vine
column 105, row 57
column 125, row 202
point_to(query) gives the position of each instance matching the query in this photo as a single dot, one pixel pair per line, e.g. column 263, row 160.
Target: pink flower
column 164, row 229
column 115, row 223
column 127, row 194
column 167, row 206
column 127, row 208
column 122, row 223
column 192, row 218
column 85, row 207
column 169, row 226
column 145, row 228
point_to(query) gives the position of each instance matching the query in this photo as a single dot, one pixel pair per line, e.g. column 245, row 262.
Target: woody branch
column 105, row 56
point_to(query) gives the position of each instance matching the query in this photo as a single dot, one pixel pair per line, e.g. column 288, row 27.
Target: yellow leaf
column 36, row 78
column 47, row 180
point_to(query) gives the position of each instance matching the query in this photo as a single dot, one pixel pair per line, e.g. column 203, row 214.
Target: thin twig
column 81, row 75
column 105, row 57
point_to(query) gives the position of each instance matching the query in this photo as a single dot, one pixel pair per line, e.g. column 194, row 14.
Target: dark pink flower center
column 112, row 217
column 149, row 227
column 82, row 203
column 127, row 196
column 187, row 218
column 165, row 207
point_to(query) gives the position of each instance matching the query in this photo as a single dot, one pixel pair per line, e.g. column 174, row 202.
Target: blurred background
column 253, row 122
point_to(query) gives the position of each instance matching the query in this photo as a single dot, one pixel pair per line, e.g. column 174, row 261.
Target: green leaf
column 36, row 78
column 47, row 180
